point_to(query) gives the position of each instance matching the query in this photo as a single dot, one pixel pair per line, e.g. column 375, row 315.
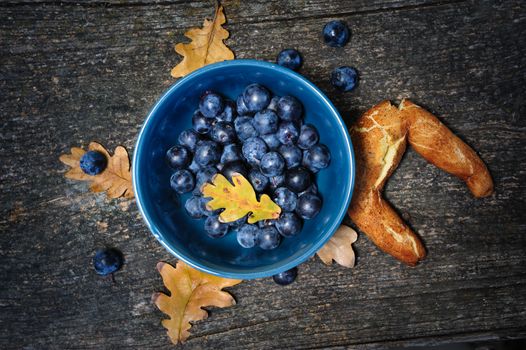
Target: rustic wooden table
column 76, row 71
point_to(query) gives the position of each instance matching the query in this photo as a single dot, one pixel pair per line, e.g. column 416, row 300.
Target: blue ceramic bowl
column 164, row 211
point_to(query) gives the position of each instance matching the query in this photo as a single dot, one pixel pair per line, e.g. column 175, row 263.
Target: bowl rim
column 188, row 259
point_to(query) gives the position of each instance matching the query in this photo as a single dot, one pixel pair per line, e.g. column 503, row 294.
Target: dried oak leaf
column 116, row 179
column 339, row 247
column 190, row 291
column 206, row 47
column 238, row 200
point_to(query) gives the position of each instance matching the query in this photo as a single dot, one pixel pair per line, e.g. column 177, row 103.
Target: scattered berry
column 223, row 133
column 286, row 277
column 253, row 150
column 189, row 138
column 193, row 207
column 107, row 261
column 272, row 141
column 231, row 153
column 289, row 58
column 336, row 33
column 344, row 78
column 93, row 162
column 229, row 112
column 244, row 128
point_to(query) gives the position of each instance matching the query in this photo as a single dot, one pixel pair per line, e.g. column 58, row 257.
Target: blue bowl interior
column 164, row 211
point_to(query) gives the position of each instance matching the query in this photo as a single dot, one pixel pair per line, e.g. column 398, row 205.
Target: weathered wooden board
column 73, row 73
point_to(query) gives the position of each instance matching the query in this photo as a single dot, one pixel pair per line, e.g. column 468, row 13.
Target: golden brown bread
column 379, row 137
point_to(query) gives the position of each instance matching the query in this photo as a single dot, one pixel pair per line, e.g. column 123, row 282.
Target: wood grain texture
column 72, row 73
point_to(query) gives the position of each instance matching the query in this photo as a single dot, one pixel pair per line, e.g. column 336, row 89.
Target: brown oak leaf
column 339, row 247
column 116, row 179
column 206, row 47
column 190, row 290
column 238, row 200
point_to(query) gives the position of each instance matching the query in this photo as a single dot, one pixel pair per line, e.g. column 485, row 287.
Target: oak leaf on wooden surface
column 116, row 179
column 238, row 200
column 339, row 247
column 190, row 290
column 206, row 47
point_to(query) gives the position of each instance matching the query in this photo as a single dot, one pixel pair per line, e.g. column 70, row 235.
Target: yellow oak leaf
column 339, row 247
column 116, row 179
column 206, row 47
column 190, row 290
column 238, row 200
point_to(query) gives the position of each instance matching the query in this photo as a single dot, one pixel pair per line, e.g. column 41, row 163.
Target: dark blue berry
column 246, row 235
column 297, row 179
column 203, row 176
column 276, row 181
column 268, row 238
column 272, row 164
column 285, row 198
column 273, row 105
column 229, row 112
column 308, row 206
column 223, row 133
column 244, row 128
column 289, row 58
column 207, row 153
column 258, row 180
column 178, row 156
column 344, row 78
column 189, row 138
column 253, row 150
column 256, row 97
column 214, row 228
column 229, row 169
column 289, row 224
column 336, row 33
column 194, row 167
column 272, row 141
column 93, row 162
column 241, row 106
column 107, row 261
column 290, row 109
column 308, row 136
column 266, row 122
column 231, row 153
column 205, row 210
column 211, row 104
column 182, row 181
column 200, row 123
column 193, row 207
column 291, row 154
column 286, row 277
column 287, row 133
column 317, row 158
column 311, row 189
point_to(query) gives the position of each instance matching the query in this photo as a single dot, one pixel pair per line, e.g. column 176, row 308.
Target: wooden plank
column 71, row 74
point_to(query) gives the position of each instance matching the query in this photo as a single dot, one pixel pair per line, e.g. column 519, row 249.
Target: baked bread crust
column 380, row 138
